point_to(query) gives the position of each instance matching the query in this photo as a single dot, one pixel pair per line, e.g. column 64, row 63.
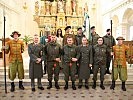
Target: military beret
column 67, row 27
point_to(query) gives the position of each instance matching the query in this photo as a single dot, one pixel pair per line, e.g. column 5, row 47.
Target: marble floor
column 79, row 94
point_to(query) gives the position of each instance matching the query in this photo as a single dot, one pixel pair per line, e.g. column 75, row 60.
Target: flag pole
column 4, row 53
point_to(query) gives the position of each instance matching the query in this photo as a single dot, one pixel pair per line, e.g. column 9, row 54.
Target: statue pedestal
column 74, row 13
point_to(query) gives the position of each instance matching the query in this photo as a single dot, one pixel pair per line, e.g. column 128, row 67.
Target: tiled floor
column 79, row 94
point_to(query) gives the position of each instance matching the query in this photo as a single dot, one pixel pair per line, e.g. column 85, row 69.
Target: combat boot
column 112, row 85
column 57, row 85
column 102, row 86
column 73, row 86
column 21, row 85
column 50, row 85
column 66, row 86
column 123, row 86
column 12, row 87
column 94, row 85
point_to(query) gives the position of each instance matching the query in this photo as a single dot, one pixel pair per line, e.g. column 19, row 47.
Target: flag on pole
column 87, row 26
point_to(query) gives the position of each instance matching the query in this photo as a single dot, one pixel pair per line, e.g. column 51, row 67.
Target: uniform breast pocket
column 103, row 51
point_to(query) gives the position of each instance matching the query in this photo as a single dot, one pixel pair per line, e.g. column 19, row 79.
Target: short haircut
column 53, row 34
column 101, row 38
column 36, row 35
column 108, row 30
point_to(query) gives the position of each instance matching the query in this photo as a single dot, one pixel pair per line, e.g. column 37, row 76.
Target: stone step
column 61, row 79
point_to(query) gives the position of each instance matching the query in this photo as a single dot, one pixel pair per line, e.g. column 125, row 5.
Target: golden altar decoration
column 55, row 14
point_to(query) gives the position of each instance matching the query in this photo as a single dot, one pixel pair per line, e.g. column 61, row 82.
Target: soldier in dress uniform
column 109, row 41
column 100, row 53
column 16, row 48
column 120, row 53
column 85, row 62
column 53, row 55
column 35, row 51
column 70, row 56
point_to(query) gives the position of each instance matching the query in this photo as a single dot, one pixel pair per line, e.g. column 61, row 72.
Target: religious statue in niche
column 60, row 21
column 47, row 7
column 42, row 10
column 36, row 8
column 74, row 5
column 60, row 6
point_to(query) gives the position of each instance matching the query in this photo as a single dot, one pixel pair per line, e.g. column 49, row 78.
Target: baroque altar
column 54, row 14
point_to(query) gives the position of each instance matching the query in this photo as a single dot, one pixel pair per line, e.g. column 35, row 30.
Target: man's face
column 80, row 31
column 15, row 36
column 69, row 41
column 53, row 38
column 109, row 32
column 36, row 39
column 100, row 41
column 84, row 41
column 68, row 30
column 93, row 30
column 120, row 42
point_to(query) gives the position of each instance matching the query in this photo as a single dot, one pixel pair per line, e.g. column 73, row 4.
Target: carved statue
column 36, row 8
column 60, row 6
column 74, row 5
column 47, row 7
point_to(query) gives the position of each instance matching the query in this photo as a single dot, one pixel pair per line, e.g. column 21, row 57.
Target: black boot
column 66, row 86
column 123, row 86
column 50, row 85
column 73, row 86
column 80, row 86
column 57, row 85
column 108, row 72
column 94, row 85
column 112, row 85
column 102, row 86
column 12, row 87
column 21, row 85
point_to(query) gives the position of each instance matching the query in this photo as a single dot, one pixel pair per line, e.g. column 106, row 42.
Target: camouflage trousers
column 121, row 71
column 14, row 68
column 53, row 68
column 102, row 72
column 69, row 71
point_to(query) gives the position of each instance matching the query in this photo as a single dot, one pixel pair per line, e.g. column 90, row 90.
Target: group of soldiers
column 76, row 55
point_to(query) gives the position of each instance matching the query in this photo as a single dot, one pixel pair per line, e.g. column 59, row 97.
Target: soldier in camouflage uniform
column 79, row 36
column 70, row 56
column 85, row 62
column 68, row 32
column 93, row 40
column 120, row 53
column 94, row 36
column 16, row 48
column 109, row 43
column 53, row 53
column 100, row 53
